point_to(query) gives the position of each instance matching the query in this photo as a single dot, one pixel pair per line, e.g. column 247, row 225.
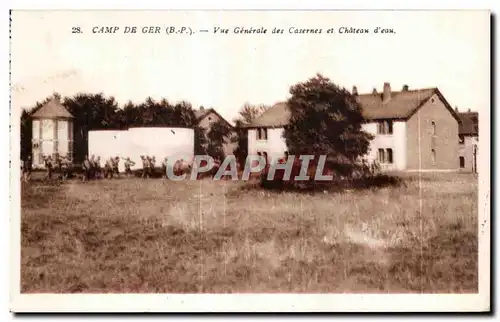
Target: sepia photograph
column 250, row 160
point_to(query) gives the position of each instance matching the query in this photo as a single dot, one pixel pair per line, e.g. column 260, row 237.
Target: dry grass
column 156, row 236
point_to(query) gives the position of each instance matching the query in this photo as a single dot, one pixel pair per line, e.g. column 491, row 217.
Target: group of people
column 61, row 163
column 93, row 168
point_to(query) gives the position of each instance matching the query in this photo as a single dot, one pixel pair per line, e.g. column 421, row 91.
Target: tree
column 326, row 120
column 217, row 136
column 26, row 134
column 249, row 112
column 91, row 112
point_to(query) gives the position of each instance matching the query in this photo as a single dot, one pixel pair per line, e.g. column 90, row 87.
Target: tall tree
column 217, row 137
column 91, row 112
column 326, row 120
column 249, row 112
column 26, row 134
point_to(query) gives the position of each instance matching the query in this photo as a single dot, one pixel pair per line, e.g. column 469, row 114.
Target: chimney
column 202, row 108
column 468, row 110
column 387, row 92
column 374, row 91
column 456, row 109
column 354, row 91
column 405, row 88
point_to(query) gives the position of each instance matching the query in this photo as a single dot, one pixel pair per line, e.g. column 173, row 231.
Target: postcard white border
column 258, row 302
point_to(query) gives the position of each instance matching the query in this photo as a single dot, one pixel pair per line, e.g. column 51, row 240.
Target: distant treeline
column 98, row 112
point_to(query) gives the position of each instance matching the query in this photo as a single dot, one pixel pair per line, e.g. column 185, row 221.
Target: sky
column 445, row 49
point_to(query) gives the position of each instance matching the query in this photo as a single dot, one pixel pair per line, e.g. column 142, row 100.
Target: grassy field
column 159, row 236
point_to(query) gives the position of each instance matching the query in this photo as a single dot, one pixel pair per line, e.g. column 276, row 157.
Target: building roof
column 202, row 113
column 402, row 105
column 53, row 109
column 469, row 123
column 276, row 116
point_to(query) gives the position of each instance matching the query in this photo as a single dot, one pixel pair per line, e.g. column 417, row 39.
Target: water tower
column 52, row 132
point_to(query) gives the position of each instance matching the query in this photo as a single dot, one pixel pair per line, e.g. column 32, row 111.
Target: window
column 261, row 134
column 385, row 156
column 384, row 127
column 433, row 125
column 433, row 155
column 462, row 162
column 381, row 155
column 389, row 156
column 461, row 139
column 389, row 127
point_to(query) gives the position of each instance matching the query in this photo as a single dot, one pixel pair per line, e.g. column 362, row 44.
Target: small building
column 52, row 132
column 468, row 141
column 413, row 129
column 208, row 116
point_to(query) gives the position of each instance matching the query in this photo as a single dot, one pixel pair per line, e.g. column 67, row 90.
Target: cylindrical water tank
column 160, row 142
column 107, row 144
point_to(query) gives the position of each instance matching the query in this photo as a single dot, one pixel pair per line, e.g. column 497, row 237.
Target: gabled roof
column 402, row 105
column 202, row 113
column 469, row 123
column 276, row 116
column 53, row 109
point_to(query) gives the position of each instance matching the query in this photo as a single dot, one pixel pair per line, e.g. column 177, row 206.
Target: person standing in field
column 116, row 163
column 149, row 168
column 92, row 167
column 128, row 164
column 153, row 166
column 48, row 166
column 57, row 162
column 64, row 165
column 97, row 167
column 87, row 168
column 108, row 168
column 27, row 168
column 145, row 166
column 164, row 165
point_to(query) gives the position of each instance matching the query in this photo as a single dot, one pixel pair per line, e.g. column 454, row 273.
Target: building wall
column 466, row 150
column 421, row 140
column 395, row 141
column 275, row 145
column 207, row 121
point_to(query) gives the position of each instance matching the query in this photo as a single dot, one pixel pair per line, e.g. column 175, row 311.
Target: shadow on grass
column 372, row 182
